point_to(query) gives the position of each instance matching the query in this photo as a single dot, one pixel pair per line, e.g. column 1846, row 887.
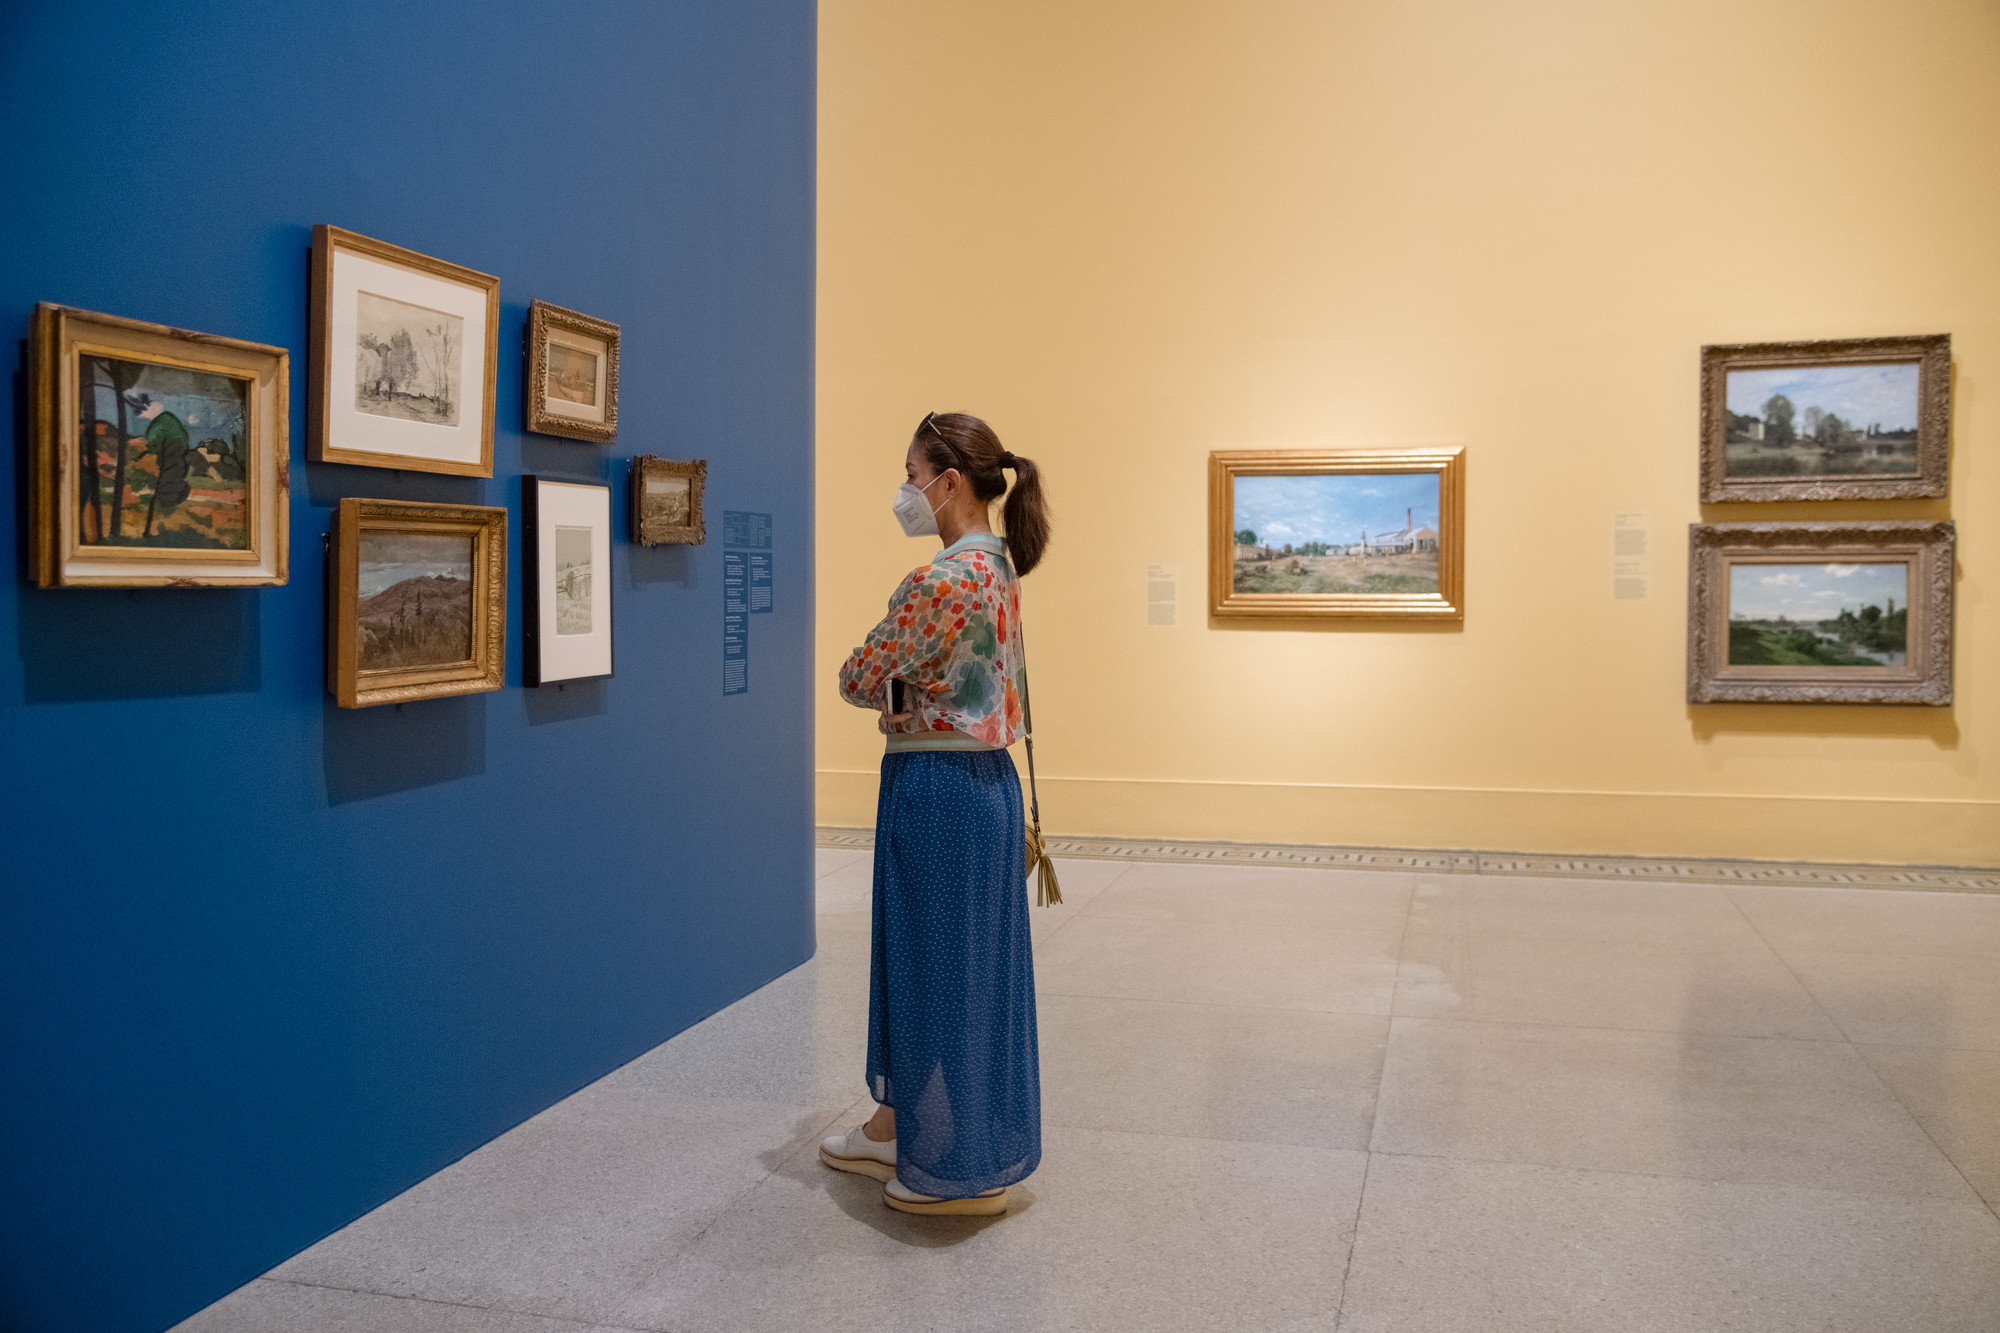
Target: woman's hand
column 888, row 719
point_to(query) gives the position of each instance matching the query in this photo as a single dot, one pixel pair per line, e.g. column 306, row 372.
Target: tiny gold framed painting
column 159, row 455
column 571, row 387
column 417, row 601
column 404, row 352
column 1360, row 534
column 666, row 501
column 1842, row 419
column 1820, row 612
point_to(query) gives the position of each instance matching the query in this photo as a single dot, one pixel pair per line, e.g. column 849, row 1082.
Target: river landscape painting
column 1368, row 533
column 415, row 600
column 1822, row 421
column 1847, row 615
column 164, row 462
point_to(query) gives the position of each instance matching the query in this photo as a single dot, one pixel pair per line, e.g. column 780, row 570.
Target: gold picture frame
column 397, row 379
column 1807, row 612
column 1792, row 443
column 571, row 385
column 1339, row 556
column 417, row 601
column 197, row 429
column 672, row 520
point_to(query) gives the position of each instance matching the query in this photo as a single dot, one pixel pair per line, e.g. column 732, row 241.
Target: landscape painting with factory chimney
column 1340, row 533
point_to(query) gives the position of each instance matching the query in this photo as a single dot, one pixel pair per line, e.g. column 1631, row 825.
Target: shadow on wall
column 82, row 644
column 397, row 747
column 564, row 701
column 661, row 564
column 1940, row 725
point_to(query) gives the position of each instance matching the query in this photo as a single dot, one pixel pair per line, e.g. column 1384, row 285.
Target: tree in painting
column 135, row 443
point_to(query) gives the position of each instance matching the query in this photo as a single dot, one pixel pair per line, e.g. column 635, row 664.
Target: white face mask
column 914, row 512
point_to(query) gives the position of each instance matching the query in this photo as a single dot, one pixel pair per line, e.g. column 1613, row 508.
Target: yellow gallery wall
column 1131, row 233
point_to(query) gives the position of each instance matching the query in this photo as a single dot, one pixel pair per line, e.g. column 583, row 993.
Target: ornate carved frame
column 695, row 531
column 484, row 670
column 535, row 413
column 1929, row 549
column 1225, row 603
column 1931, row 352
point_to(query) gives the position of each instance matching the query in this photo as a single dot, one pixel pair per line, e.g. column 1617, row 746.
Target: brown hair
column 956, row 440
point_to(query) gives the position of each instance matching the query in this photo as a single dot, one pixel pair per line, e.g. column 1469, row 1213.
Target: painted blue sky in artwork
column 1813, row 592
column 1336, row 508
column 1862, row 396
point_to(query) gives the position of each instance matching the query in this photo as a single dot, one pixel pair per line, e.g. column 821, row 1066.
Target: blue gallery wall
column 265, row 962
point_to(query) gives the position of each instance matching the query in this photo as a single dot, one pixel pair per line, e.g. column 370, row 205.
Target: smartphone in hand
column 896, row 703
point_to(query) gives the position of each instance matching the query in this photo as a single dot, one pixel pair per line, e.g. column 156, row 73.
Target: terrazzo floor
column 1280, row 1099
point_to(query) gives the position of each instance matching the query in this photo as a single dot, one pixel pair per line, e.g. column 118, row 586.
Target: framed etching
column 403, row 358
column 1374, row 534
column 571, row 387
column 417, row 601
column 566, row 573
column 158, row 456
column 1820, row 612
column 666, row 501
column 1852, row 419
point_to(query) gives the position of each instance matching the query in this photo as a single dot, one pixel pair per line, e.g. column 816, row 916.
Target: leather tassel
column 1047, row 891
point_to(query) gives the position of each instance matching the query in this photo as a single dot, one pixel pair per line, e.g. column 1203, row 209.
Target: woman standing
column 952, row 1059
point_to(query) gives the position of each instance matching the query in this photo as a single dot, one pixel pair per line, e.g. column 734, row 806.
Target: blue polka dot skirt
column 951, row 1006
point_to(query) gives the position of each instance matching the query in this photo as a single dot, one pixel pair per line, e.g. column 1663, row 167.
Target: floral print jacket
column 953, row 636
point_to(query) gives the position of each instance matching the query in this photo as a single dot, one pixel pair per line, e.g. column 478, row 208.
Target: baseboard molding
column 1804, row 874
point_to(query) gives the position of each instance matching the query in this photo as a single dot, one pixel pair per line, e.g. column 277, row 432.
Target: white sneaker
column 855, row 1151
column 906, row 1200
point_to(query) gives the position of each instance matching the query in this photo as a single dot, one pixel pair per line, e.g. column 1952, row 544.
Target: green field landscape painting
column 1819, row 615
column 1340, row 533
column 163, row 460
column 1822, row 421
column 415, row 591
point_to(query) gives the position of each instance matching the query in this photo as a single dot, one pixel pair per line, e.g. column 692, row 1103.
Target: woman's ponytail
column 1026, row 515
column 956, row 440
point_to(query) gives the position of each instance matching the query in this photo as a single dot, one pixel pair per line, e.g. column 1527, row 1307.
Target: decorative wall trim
column 1803, row 874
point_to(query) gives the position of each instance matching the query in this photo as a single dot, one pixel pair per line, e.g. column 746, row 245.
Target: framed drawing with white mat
column 566, row 588
column 571, row 388
column 403, row 358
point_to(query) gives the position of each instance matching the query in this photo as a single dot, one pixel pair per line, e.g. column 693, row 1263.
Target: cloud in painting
column 1334, row 508
column 1813, row 592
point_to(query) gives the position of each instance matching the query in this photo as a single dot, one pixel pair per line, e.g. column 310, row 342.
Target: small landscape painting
column 573, row 573
column 666, row 501
column 1822, row 421
column 164, row 462
column 1341, row 533
column 415, row 607
column 406, row 360
column 1849, row 615
column 572, row 374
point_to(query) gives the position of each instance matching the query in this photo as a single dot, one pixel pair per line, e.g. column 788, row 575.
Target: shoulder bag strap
column 1047, row 892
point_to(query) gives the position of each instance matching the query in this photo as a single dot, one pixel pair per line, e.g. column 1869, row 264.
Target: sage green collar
column 975, row 541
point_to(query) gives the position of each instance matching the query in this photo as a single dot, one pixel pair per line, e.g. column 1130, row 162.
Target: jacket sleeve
column 910, row 643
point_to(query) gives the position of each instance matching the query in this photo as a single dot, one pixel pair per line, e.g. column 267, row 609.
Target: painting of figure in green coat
column 164, row 461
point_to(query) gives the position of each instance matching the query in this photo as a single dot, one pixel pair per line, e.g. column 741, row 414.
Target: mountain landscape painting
column 163, row 461
column 415, row 606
